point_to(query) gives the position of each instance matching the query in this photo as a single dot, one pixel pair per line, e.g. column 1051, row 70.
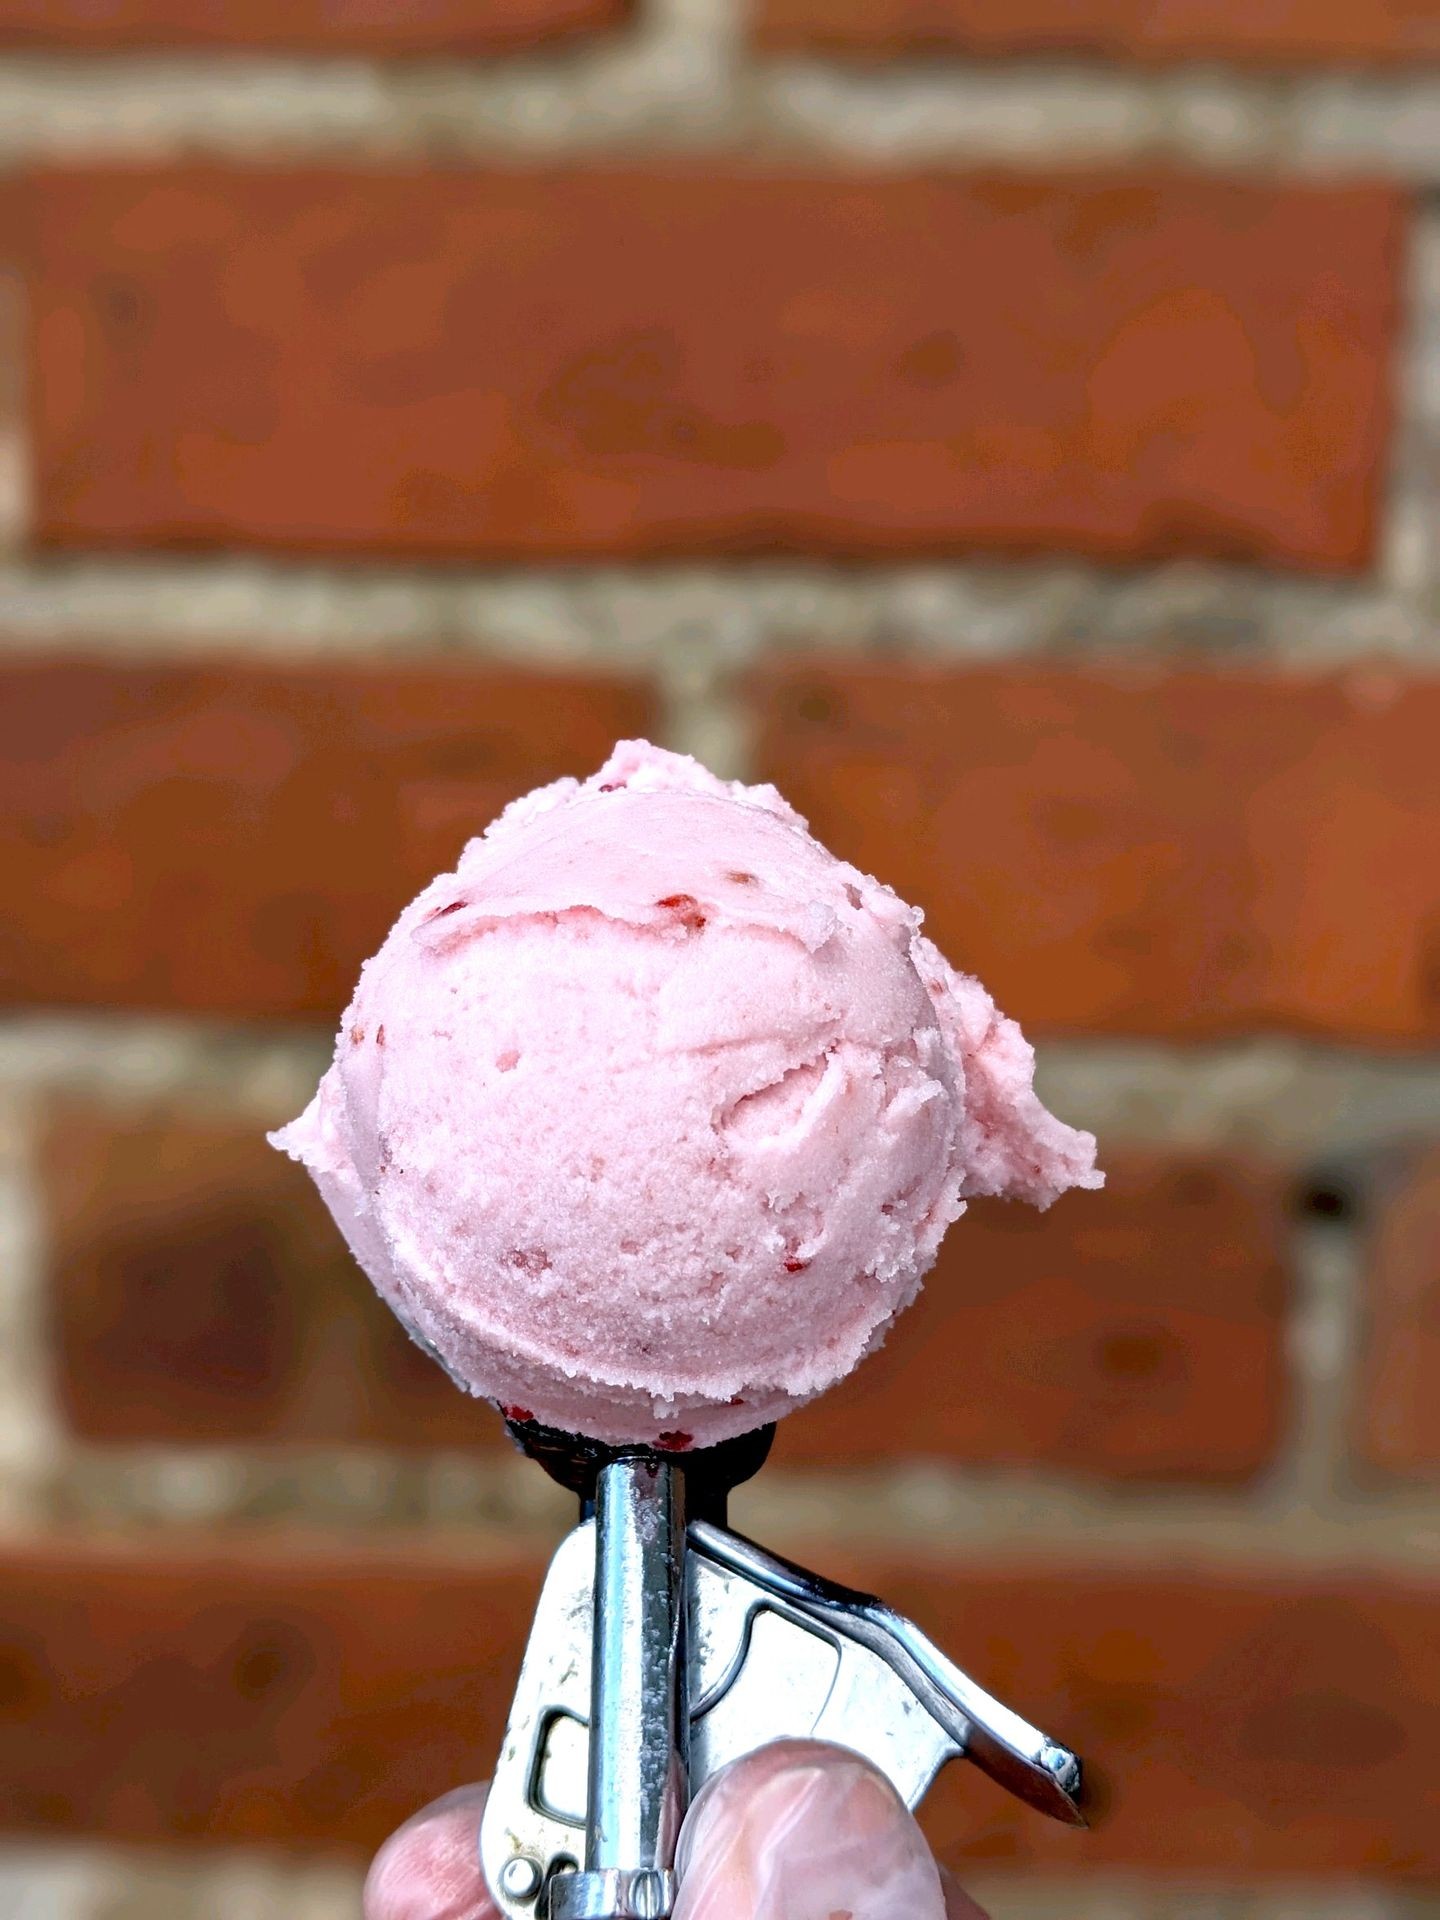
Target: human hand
column 794, row 1831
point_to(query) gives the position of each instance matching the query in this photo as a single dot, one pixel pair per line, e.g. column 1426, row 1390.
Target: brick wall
column 1029, row 413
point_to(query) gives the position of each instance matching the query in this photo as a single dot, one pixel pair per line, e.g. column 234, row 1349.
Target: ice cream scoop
column 648, row 1119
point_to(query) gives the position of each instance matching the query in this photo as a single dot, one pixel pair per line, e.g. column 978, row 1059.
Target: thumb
column 430, row 1868
column 804, row 1831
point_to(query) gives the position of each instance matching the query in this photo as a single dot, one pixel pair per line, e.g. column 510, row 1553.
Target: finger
column 429, row 1869
column 803, row 1831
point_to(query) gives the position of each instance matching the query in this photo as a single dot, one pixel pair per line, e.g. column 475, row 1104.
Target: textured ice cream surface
column 649, row 1118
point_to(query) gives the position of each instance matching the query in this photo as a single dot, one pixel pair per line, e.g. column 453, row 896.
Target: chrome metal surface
column 521, row 1877
column 613, row 1893
column 764, row 1669
column 536, row 1804
column 640, row 1722
column 862, row 1710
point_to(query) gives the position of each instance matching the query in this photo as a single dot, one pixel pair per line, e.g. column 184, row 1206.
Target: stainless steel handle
column 638, row 1769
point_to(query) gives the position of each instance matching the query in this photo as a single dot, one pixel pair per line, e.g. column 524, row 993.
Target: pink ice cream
column 649, row 1118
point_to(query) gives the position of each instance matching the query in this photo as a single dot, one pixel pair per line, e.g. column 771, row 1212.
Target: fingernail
column 802, row 1831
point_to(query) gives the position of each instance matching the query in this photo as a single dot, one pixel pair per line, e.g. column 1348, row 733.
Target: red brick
column 231, row 838
column 1182, row 851
column 1398, row 1419
column 1086, row 1338
column 1240, row 1723
column 447, row 363
column 1295, row 33
column 1246, row 1721
column 321, row 26
column 252, row 1694
column 201, row 1292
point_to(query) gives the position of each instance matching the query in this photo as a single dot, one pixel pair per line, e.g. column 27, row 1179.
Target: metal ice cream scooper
column 665, row 1646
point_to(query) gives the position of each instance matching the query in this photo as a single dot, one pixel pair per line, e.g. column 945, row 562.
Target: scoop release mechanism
column 664, row 1646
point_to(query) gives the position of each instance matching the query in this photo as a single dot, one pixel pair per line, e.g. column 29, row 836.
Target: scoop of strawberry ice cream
column 649, row 1118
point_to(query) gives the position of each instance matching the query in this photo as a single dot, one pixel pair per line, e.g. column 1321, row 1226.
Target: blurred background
column 1015, row 428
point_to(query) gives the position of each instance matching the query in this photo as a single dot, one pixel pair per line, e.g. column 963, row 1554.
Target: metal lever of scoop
column 1017, row 1756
